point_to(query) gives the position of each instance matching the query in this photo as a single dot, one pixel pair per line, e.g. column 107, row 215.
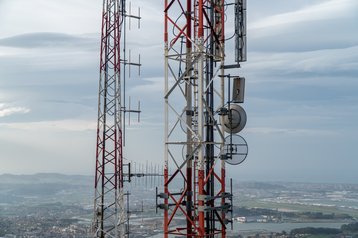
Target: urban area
column 55, row 205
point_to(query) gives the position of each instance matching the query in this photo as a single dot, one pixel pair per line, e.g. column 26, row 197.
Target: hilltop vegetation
column 349, row 230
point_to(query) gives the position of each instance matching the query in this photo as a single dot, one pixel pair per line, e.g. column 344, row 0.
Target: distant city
column 55, row 205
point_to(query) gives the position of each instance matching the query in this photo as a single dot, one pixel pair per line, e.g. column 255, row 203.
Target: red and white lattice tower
column 195, row 85
column 109, row 204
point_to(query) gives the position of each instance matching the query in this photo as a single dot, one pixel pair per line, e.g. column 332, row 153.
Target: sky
column 301, row 88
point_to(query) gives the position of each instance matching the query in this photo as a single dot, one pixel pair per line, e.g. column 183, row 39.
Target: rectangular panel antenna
column 240, row 31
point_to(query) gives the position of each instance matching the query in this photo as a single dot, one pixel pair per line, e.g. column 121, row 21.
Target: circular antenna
column 235, row 120
column 235, row 150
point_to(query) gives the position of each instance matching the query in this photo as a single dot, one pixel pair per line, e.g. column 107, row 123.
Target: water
column 279, row 227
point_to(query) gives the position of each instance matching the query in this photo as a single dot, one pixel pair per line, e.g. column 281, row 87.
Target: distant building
column 241, row 219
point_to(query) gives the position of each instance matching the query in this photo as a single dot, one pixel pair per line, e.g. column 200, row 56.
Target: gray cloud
column 300, row 93
column 47, row 39
column 338, row 62
column 305, row 36
column 315, row 26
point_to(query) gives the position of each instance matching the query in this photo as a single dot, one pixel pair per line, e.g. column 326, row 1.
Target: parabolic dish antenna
column 235, row 150
column 235, row 120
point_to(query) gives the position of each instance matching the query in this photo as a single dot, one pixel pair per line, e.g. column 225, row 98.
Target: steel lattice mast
column 198, row 25
column 194, row 94
column 109, row 214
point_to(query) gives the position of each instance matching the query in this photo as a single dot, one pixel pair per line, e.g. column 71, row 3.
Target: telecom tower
column 109, row 203
column 202, row 114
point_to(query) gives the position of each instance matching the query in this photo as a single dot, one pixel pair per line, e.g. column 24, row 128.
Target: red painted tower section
column 109, row 214
column 194, row 174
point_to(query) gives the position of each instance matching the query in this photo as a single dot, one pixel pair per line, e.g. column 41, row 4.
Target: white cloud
column 67, row 16
column 278, row 116
column 324, row 62
column 328, row 10
column 47, row 66
column 59, row 125
column 8, row 110
column 50, row 40
column 327, row 25
column 289, row 131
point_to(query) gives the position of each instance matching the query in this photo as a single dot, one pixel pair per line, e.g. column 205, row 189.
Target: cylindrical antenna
column 142, row 211
column 144, row 181
column 138, row 111
column 232, row 207
column 129, row 61
column 146, row 172
column 129, row 172
column 139, row 64
column 156, row 175
column 151, row 174
column 130, row 14
column 129, row 111
column 135, row 172
column 139, row 17
column 156, row 200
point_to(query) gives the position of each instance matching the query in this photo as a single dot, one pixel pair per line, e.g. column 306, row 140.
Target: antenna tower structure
column 109, row 202
column 198, row 114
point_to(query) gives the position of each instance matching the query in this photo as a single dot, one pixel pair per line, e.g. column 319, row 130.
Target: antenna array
column 110, row 216
column 202, row 116
column 198, row 114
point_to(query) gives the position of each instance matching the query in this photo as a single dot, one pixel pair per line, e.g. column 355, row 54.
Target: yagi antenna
column 138, row 111
column 130, row 16
column 138, row 64
column 109, row 188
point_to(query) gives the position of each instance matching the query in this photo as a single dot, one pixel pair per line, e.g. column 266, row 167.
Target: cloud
column 327, row 10
column 289, row 131
column 7, row 110
column 68, row 16
column 301, row 82
column 327, row 25
column 55, row 125
column 325, row 62
column 47, row 39
column 149, row 86
column 69, row 53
